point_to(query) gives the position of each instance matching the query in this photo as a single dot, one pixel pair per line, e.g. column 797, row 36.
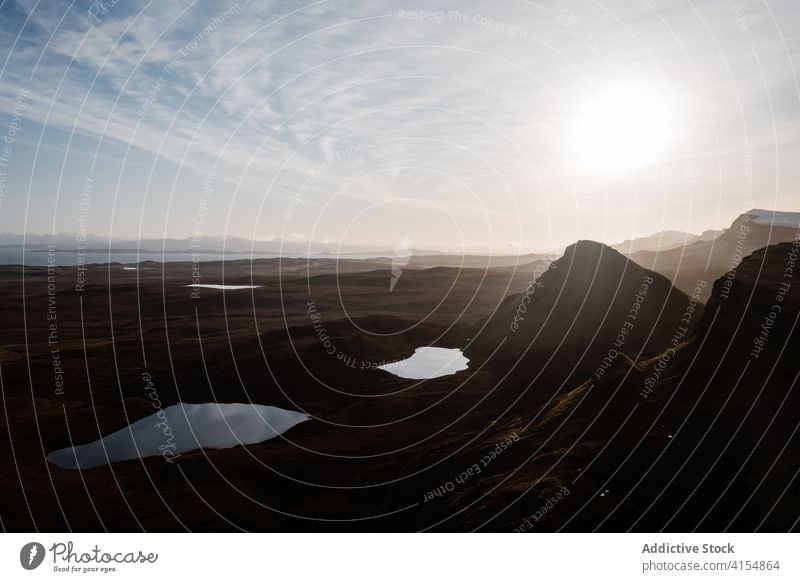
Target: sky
column 451, row 125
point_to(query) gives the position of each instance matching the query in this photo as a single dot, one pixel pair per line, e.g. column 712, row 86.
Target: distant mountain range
column 682, row 257
column 663, row 240
column 207, row 245
column 706, row 260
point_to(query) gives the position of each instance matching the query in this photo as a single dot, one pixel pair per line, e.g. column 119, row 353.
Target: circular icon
column 31, row 555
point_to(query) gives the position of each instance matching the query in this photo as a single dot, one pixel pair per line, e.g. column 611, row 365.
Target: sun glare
column 622, row 129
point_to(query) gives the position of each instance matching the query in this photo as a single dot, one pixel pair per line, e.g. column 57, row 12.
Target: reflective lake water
column 181, row 428
column 428, row 362
column 224, row 287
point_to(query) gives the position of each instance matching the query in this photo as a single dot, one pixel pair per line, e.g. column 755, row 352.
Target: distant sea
column 35, row 258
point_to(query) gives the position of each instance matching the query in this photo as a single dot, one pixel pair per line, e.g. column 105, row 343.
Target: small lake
column 224, row 287
column 181, row 428
column 429, row 362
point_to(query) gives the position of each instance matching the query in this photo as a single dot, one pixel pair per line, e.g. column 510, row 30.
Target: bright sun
column 622, row 129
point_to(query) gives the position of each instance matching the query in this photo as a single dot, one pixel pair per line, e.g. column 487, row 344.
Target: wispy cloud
column 461, row 104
